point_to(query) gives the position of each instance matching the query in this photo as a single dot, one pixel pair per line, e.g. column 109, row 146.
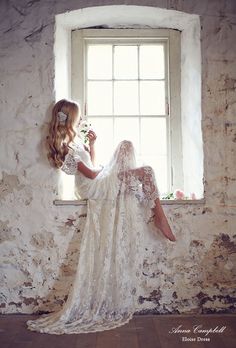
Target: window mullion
column 113, row 109
column 168, row 134
column 139, row 115
column 85, row 79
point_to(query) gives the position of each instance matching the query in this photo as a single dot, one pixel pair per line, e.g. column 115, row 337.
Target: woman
column 121, row 199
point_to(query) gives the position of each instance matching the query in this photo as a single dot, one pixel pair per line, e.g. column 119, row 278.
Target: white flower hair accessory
column 62, row 117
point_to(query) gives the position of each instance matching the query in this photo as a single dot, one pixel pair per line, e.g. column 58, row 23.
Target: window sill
column 163, row 201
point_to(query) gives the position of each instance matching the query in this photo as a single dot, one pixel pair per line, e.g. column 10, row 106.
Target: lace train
column 103, row 293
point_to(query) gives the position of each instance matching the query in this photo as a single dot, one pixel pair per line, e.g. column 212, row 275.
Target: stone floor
column 143, row 331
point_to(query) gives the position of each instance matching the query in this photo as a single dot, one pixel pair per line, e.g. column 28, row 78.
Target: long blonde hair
column 56, row 140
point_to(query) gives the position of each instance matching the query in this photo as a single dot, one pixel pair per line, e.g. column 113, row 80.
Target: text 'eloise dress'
column 118, row 209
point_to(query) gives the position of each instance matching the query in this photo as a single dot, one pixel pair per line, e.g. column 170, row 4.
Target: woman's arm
column 92, row 138
column 88, row 172
column 92, row 154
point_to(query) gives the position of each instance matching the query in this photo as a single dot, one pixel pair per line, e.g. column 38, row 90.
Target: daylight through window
column 123, row 84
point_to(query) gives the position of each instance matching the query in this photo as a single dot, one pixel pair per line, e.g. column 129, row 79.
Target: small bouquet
column 84, row 128
column 179, row 194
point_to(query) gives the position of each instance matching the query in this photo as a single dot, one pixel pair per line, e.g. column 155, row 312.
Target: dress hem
column 44, row 330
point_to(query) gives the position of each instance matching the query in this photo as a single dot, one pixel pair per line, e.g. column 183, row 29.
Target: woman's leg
column 161, row 221
column 124, row 154
column 146, row 176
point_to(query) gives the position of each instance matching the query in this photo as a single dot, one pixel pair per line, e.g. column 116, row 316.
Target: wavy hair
column 61, row 135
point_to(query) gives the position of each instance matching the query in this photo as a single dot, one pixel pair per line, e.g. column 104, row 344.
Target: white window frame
column 172, row 40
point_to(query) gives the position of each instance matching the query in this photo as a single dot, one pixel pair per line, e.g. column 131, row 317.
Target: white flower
column 84, row 128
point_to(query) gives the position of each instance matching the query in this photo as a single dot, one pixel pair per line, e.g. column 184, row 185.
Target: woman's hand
column 92, row 137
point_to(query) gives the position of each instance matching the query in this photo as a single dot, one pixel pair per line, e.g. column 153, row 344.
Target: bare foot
column 164, row 226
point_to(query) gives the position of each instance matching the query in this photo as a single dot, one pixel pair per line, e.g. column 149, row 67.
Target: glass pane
column 103, row 127
column 159, row 165
column 152, row 97
column 99, row 62
column 125, row 62
column 126, row 97
column 127, row 128
column 99, row 98
column 152, row 62
column 153, row 136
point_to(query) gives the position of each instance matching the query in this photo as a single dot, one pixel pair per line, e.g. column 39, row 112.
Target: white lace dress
column 102, row 295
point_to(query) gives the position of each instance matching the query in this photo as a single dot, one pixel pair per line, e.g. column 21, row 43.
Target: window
column 186, row 143
column 128, row 83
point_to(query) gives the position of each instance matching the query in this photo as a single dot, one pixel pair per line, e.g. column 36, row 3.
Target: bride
column 122, row 199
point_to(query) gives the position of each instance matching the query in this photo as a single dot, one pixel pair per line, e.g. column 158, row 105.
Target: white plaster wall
column 191, row 113
column 40, row 241
column 62, row 49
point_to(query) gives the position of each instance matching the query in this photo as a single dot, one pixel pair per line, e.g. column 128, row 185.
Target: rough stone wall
column 40, row 242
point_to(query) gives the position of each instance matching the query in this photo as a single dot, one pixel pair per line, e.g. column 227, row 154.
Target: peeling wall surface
column 39, row 242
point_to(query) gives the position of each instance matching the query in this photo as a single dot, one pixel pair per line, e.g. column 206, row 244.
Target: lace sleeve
column 70, row 164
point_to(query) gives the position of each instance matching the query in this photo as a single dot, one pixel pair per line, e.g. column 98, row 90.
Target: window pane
column 153, row 136
column 99, row 98
column 103, row 127
column 152, row 62
column 99, row 62
column 125, row 62
column 159, row 165
column 152, row 97
column 127, row 128
column 126, row 97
